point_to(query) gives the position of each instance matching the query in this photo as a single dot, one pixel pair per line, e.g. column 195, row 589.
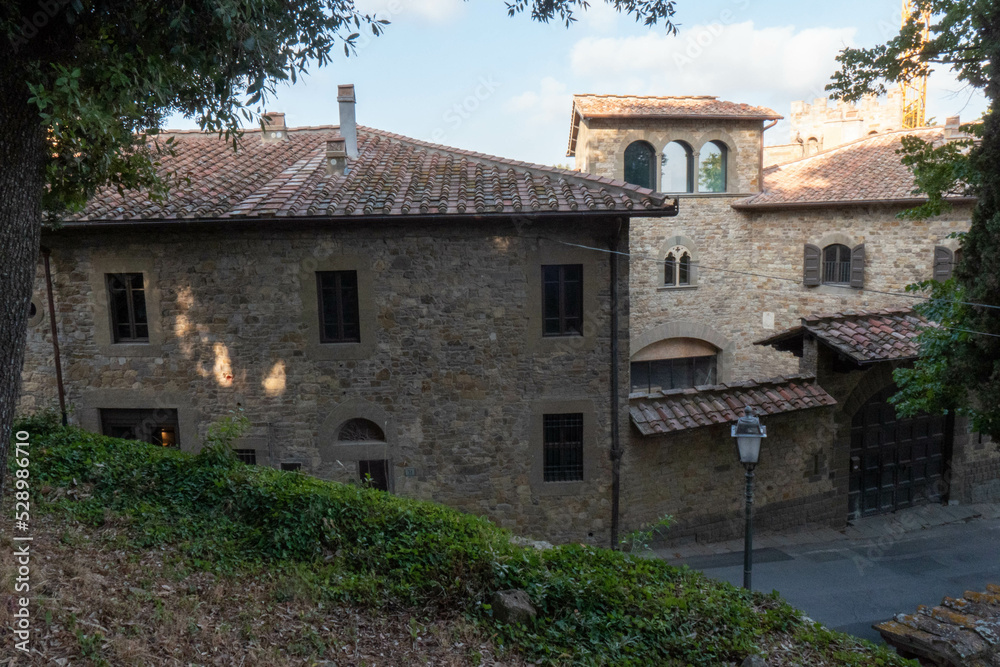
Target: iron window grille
column 679, row 373
column 339, row 311
column 248, row 456
column 562, row 300
column 836, row 265
column 129, row 322
column 563, row 447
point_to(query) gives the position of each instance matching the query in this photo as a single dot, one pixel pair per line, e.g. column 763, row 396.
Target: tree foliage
column 959, row 367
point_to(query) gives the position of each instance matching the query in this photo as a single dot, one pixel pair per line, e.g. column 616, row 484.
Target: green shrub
column 363, row 546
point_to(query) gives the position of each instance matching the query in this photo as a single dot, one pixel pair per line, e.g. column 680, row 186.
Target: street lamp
column 748, row 432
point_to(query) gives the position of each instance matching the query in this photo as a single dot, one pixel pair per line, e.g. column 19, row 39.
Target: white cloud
column 714, row 59
column 550, row 102
column 396, row 11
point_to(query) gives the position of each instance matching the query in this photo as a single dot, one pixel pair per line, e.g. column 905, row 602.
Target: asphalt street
column 848, row 585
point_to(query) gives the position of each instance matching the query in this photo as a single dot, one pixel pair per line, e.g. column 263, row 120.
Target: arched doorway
column 376, row 473
column 896, row 462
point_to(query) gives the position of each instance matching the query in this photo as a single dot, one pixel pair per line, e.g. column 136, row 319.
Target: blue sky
column 466, row 75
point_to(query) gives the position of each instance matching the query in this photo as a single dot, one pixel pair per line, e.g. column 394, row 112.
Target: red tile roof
column 392, row 176
column 865, row 337
column 664, row 412
column 645, row 106
column 859, row 172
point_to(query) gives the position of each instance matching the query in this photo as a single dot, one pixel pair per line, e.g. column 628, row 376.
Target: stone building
column 377, row 306
column 755, row 250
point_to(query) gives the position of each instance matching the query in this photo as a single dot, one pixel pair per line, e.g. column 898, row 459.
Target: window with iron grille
column 563, row 447
column 562, row 300
column 339, row 317
column 155, row 426
column 679, row 373
column 248, row 456
column 129, row 323
column 836, row 265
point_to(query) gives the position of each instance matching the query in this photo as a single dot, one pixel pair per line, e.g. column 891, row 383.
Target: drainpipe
column 55, row 336
column 760, row 166
column 616, row 451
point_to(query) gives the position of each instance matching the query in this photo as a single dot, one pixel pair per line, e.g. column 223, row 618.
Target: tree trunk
column 22, row 182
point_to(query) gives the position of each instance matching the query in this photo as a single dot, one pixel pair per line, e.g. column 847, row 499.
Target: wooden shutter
column 858, row 266
column 944, row 262
column 811, row 266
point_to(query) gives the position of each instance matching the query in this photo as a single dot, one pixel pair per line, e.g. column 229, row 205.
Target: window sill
column 674, row 288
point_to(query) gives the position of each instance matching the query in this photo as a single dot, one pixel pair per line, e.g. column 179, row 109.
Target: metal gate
column 896, row 462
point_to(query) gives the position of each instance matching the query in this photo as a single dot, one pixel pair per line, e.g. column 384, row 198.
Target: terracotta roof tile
column 861, row 171
column 866, row 336
column 660, row 412
column 392, row 176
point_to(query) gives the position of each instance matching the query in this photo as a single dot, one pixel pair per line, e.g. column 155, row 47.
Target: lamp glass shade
column 749, row 446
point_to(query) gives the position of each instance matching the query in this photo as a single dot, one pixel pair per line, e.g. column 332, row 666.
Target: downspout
column 760, row 166
column 616, row 451
column 55, row 336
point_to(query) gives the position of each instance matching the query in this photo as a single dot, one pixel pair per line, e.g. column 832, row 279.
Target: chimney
column 273, row 127
column 336, row 157
column 348, row 122
column 952, row 129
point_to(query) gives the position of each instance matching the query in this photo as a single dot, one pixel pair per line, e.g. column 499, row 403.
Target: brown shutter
column 944, row 262
column 858, row 266
column 811, row 272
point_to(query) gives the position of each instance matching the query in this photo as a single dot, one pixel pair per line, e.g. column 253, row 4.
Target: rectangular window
column 673, row 373
column 291, row 466
column 374, row 474
column 248, row 456
column 339, row 313
column 562, row 300
column 157, row 427
column 563, row 447
column 129, row 323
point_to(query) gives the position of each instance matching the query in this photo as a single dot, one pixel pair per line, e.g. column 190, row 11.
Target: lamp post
column 748, row 432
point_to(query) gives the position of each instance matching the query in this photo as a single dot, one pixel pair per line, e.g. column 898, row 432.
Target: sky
column 464, row 74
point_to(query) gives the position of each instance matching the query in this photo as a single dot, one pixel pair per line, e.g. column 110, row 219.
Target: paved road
column 850, row 584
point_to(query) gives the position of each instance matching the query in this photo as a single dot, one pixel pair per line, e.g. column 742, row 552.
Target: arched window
column 674, row 363
column 677, row 168
column 677, row 267
column 712, row 167
column 360, row 430
column 812, row 146
column 836, row 265
column 640, row 164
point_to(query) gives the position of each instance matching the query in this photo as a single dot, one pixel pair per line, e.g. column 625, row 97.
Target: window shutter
column 811, row 273
column 858, row 266
column 944, row 262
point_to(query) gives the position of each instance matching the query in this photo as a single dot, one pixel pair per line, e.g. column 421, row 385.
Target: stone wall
column 456, row 374
column 750, row 264
column 696, row 477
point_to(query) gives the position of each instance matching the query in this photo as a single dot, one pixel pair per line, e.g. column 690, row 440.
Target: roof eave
column 764, row 206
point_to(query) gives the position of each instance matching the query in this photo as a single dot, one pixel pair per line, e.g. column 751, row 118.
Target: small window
column 665, row 374
column 290, row 466
column 677, row 168
column 374, row 474
column 562, row 300
column 677, row 270
column 32, row 310
column 563, row 447
column 339, row 316
column 157, row 427
column 129, row 323
column 836, row 265
column 944, row 262
column 712, row 167
column 360, row 430
column 640, row 164
column 247, row 456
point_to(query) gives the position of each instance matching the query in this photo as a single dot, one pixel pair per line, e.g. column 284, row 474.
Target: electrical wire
column 796, row 280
